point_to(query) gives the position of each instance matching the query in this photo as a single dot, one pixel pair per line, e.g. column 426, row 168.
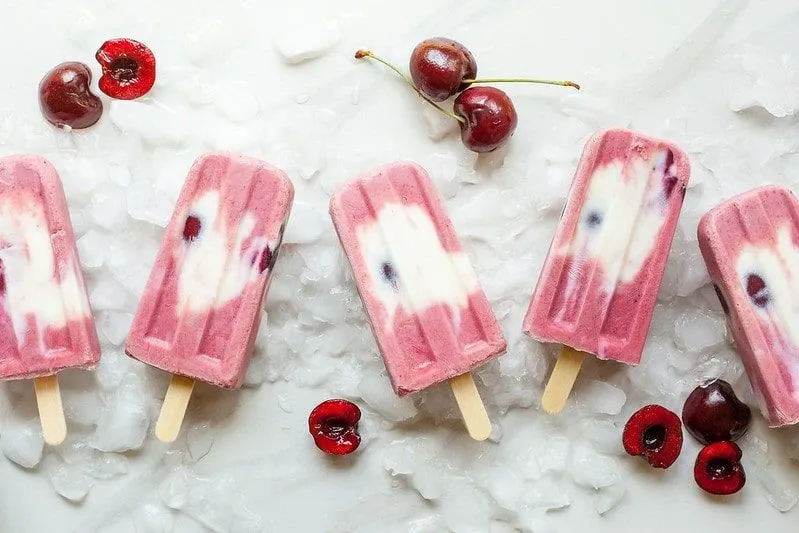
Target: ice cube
column 108, row 207
column 106, row 293
column 376, row 391
column 310, row 39
column 93, row 462
column 91, row 249
column 465, row 509
column 115, row 326
column 199, row 441
column 590, row 469
column 237, row 101
column 600, row 397
column 216, row 503
column 608, row 498
column 69, row 481
column 124, row 419
column 22, row 442
column 151, row 518
column 154, row 124
column 438, row 124
column 308, row 227
column 212, row 38
column 696, row 331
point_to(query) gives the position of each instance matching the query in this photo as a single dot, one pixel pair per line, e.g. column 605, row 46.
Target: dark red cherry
column 191, row 228
column 267, row 259
column 439, row 65
column 66, row 99
column 712, row 412
column 757, row 290
column 488, row 118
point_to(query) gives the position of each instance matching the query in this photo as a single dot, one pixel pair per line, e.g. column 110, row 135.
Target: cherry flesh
column 66, row 99
column 718, row 468
column 654, row 433
column 128, row 68
column 334, row 426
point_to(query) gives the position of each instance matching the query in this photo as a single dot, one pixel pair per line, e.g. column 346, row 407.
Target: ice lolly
column 46, row 323
column 431, row 318
column 597, row 290
column 201, row 307
column 750, row 244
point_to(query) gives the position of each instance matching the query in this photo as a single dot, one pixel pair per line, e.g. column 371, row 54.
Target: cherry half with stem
column 486, row 115
column 441, row 68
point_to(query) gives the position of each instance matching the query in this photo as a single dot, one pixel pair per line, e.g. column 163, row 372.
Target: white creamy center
column 214, row 267
column 779, row 269
column 28, row 267
column 422, row 272
column 621, row 218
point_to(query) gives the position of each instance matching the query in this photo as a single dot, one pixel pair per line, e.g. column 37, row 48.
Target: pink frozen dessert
column 597, row 290
column 431, row 318
column 599, row 283
column 46, row 323
column 201, row 307
column 750, row 244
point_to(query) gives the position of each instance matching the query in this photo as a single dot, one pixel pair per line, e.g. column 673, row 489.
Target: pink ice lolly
column 431, row 318
column 597, row 290
column 201, row 307
column 46, row 323
column 750, row 244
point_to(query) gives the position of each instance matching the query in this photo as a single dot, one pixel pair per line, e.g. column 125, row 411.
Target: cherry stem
column 360, row 54
column 565, row 83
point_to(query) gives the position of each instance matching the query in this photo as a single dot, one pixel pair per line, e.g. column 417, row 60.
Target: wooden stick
column 471, row 405
column 174, row 408
column 51, row 411
column 562, row 380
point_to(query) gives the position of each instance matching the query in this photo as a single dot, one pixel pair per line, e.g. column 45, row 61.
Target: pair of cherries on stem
column 441, row 68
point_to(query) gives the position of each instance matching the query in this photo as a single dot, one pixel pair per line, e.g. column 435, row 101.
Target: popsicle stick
column 562, row 380
column 174, row 408
column 471, row 405
column 51, row 411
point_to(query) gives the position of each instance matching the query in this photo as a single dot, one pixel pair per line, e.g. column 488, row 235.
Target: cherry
column 486, row 115
column 267, row 259
column 439, row 65
column 334, row 426
column 66, row 99
column 757, row 290
column 718, row 468
column 655, row 433
column 191, row 228
column 489, row 118
column 128, row 68
column 712, row 412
